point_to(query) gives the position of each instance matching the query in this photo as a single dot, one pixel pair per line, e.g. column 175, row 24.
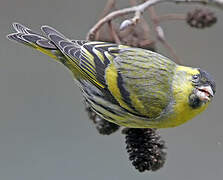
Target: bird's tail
column 28, row 37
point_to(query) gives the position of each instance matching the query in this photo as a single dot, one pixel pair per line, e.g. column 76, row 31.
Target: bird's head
column 204, row 89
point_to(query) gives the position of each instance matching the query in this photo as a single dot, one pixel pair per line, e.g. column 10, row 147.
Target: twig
column 110, row 5
column 113, row 33
column 215, row 3
column 146, row 30
column 139, row 9
column 172, row 52
column 133, row 21
column 161, row 35
column 168, row 17
column 135, row 9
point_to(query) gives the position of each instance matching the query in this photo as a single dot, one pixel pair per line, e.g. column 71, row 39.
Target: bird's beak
column 204, row 93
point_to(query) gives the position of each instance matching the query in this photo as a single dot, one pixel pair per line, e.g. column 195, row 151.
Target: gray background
column 45, row 133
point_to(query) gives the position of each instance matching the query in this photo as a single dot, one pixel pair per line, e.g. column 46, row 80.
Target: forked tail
column 77, row 55
column 30, row 38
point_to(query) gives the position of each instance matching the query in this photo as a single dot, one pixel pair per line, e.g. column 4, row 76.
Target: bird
column 131, row 87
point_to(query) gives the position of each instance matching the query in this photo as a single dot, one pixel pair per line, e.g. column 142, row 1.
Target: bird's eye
column 195, row 78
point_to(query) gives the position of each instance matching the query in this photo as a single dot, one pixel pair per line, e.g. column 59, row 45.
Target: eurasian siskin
column 128, row 86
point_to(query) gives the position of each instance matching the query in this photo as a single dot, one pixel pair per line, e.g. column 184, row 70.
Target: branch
column 113, row 33
column 168, row 17
column 215, row 3
column 110, row 5
column 161, row 35
column 139, row 9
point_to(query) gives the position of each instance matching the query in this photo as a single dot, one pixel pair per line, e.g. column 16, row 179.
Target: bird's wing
column 89, row 58
column 83, row 58
column 145, row 80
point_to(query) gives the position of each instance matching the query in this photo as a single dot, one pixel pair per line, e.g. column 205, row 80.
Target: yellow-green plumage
column 128, row 86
